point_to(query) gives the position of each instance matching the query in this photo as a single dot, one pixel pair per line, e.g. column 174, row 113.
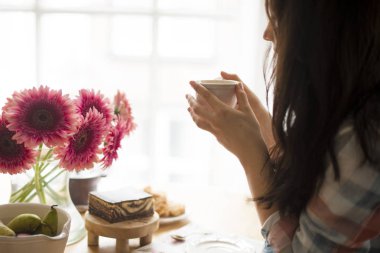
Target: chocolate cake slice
column 120, row 205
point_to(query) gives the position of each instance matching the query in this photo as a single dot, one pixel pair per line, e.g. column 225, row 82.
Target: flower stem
column 39, row 184
column 22, row 189
column 37, row 178
column 46, row 183
column 51, row 171
column 19, row 196
column 24, row 193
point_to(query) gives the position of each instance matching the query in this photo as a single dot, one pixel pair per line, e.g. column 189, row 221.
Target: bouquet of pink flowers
column 42, row 125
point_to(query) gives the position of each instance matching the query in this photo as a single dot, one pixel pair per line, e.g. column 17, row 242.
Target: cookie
column 162, row 206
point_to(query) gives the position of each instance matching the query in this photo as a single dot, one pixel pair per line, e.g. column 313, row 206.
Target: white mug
column 223, row 89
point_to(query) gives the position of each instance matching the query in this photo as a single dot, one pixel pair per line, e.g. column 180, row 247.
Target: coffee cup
column 222, row 89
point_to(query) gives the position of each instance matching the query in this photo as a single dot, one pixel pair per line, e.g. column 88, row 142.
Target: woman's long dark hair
column 326, row 69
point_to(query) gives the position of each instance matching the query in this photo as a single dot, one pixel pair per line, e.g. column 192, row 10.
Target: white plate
column 222, row 244
column 168, row 220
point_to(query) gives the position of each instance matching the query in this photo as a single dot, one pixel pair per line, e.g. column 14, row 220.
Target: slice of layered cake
column 119, row 205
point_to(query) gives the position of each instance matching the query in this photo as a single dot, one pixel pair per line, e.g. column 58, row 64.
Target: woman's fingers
column 252, row 98
column 199, row 121
column 201, row 110
column 191, row 100
column 211, row 99
column 229, row 76
column 242, row 99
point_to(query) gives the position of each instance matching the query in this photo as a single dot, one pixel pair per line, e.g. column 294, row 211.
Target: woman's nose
column 268, row 33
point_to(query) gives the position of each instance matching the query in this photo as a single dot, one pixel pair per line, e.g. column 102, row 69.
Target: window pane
column 16, row 3
column 131, row 35
column 186, row 37
column 173, row 80
column 229, row 7
column 17, row 50
column 188, row 164
column 133, row 4
column 75, row 54
column 187, row 5
column 72, row 3
column 66, row 49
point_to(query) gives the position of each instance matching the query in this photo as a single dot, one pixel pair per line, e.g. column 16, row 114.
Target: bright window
column 150, row 49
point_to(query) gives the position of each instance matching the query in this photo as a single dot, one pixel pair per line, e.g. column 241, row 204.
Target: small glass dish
column 222, row 244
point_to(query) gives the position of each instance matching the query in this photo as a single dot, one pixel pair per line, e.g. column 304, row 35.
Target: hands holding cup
column 245, row 130
column 227, row 115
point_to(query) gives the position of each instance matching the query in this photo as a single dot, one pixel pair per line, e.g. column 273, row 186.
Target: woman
column 314, row 168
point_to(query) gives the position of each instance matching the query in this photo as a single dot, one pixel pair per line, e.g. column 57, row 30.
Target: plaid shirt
column 343, row 217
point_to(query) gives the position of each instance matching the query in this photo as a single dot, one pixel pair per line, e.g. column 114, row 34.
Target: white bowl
column 34, row 243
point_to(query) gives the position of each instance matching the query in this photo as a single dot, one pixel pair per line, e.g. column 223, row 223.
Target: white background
column 149, row 49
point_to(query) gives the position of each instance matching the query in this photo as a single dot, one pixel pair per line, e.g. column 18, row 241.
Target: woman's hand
column 262, row 115
column 237, row 129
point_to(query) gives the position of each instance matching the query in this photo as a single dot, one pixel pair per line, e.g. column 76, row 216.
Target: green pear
column 49, row 224
column 6, row 231
column 24, row 223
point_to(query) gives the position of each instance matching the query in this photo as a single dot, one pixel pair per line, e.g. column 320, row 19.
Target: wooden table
column 210, row 208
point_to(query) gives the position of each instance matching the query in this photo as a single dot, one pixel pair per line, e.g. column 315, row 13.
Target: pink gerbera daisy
column 88, row 99
column 81, row 152
column 40, row 115
column 14, row 158
column 123, row 110
column 113, row 143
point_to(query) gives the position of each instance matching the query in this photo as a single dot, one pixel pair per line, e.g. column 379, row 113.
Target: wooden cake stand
column 122, row 231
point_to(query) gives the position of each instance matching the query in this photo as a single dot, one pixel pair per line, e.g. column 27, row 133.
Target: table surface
column 209, row 208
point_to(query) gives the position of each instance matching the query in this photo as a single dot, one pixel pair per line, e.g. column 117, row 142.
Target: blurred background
column 149, row 49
